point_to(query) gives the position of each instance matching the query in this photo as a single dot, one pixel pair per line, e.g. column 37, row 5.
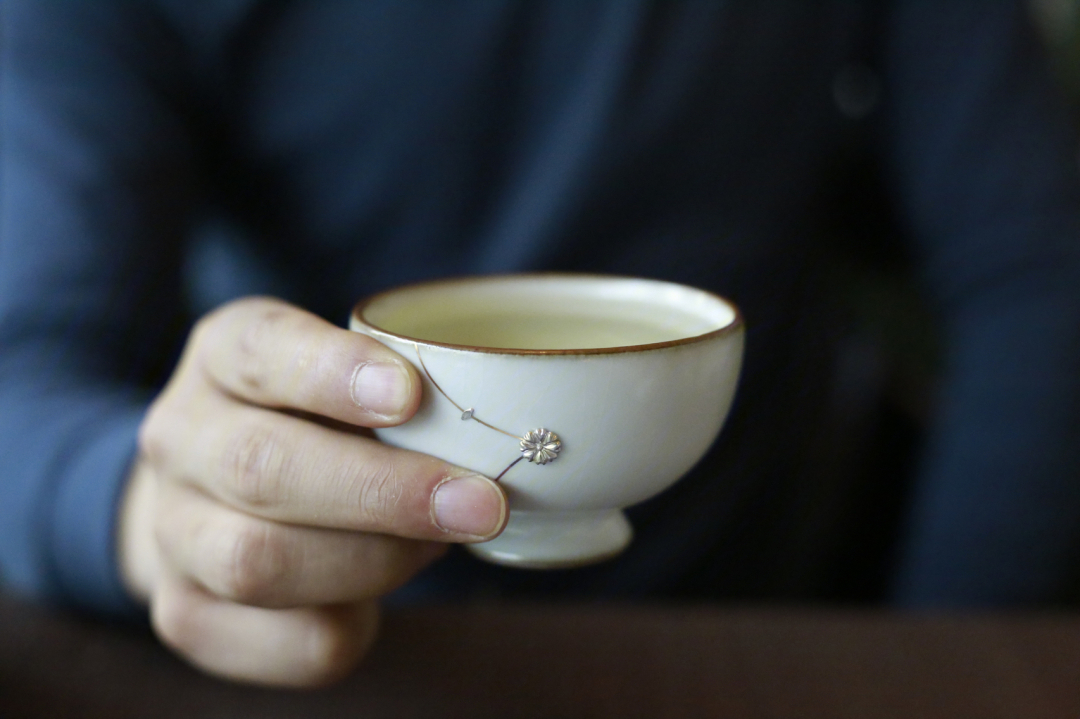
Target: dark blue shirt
column 160, row 157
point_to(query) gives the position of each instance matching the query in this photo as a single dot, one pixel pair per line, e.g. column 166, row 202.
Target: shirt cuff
column 84, row 519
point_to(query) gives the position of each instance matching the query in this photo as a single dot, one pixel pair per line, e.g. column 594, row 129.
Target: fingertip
column 388, row 390
column 472, row 506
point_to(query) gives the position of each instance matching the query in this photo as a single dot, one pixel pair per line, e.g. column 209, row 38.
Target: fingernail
column 381, row 387
column 471, row 505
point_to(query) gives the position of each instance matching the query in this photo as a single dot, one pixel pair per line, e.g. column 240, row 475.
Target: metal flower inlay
column 540, row 446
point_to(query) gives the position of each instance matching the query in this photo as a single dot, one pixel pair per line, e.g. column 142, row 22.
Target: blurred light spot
column 856, row 90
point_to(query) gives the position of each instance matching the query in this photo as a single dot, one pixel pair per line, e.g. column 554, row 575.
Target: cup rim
column 732, row 327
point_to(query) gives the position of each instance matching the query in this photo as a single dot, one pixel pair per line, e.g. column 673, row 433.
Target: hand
column 260, row 523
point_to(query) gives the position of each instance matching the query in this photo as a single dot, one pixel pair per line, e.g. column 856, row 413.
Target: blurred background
column 888, row 360
column 1060, row 24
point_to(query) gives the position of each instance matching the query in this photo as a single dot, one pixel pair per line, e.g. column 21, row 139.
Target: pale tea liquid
column 540, row 331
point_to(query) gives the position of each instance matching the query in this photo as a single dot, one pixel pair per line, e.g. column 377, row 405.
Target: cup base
column 557, row 540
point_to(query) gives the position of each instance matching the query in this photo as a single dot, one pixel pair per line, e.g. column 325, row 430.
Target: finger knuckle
column 253, row 569
column 207, row 331
column 241, row 330
column 381, row 491
column 258, row 333
column 254, row 462
column 203, row 329
column 307, row 368
column 153, row 437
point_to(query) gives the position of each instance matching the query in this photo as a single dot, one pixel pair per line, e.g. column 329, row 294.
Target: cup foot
column 557, row 540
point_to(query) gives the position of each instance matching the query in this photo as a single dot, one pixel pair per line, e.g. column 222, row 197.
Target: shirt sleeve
column 984, row 163
column 95, row 194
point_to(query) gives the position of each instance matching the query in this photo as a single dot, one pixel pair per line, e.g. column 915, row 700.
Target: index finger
column 270, row 353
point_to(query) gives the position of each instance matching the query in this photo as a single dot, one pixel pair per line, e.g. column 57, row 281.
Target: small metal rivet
column 540, row 446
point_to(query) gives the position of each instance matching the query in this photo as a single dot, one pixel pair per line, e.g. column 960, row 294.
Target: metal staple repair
column 539, row 446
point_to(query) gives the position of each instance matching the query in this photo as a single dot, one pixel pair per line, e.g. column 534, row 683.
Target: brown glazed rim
column 732, row 327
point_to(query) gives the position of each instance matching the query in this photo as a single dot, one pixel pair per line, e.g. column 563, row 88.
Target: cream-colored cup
column 582, row 394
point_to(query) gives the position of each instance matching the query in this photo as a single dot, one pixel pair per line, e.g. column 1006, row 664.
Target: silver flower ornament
column 540, row 446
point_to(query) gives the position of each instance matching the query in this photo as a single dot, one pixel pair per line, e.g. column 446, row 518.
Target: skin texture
column 261, row 521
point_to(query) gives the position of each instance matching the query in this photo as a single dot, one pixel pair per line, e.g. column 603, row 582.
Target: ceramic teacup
column 581, row 394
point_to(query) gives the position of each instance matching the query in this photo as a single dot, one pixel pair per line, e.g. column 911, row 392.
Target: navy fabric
column 158, row 158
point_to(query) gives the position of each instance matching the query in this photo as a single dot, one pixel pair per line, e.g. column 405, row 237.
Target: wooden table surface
column 581, row 661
